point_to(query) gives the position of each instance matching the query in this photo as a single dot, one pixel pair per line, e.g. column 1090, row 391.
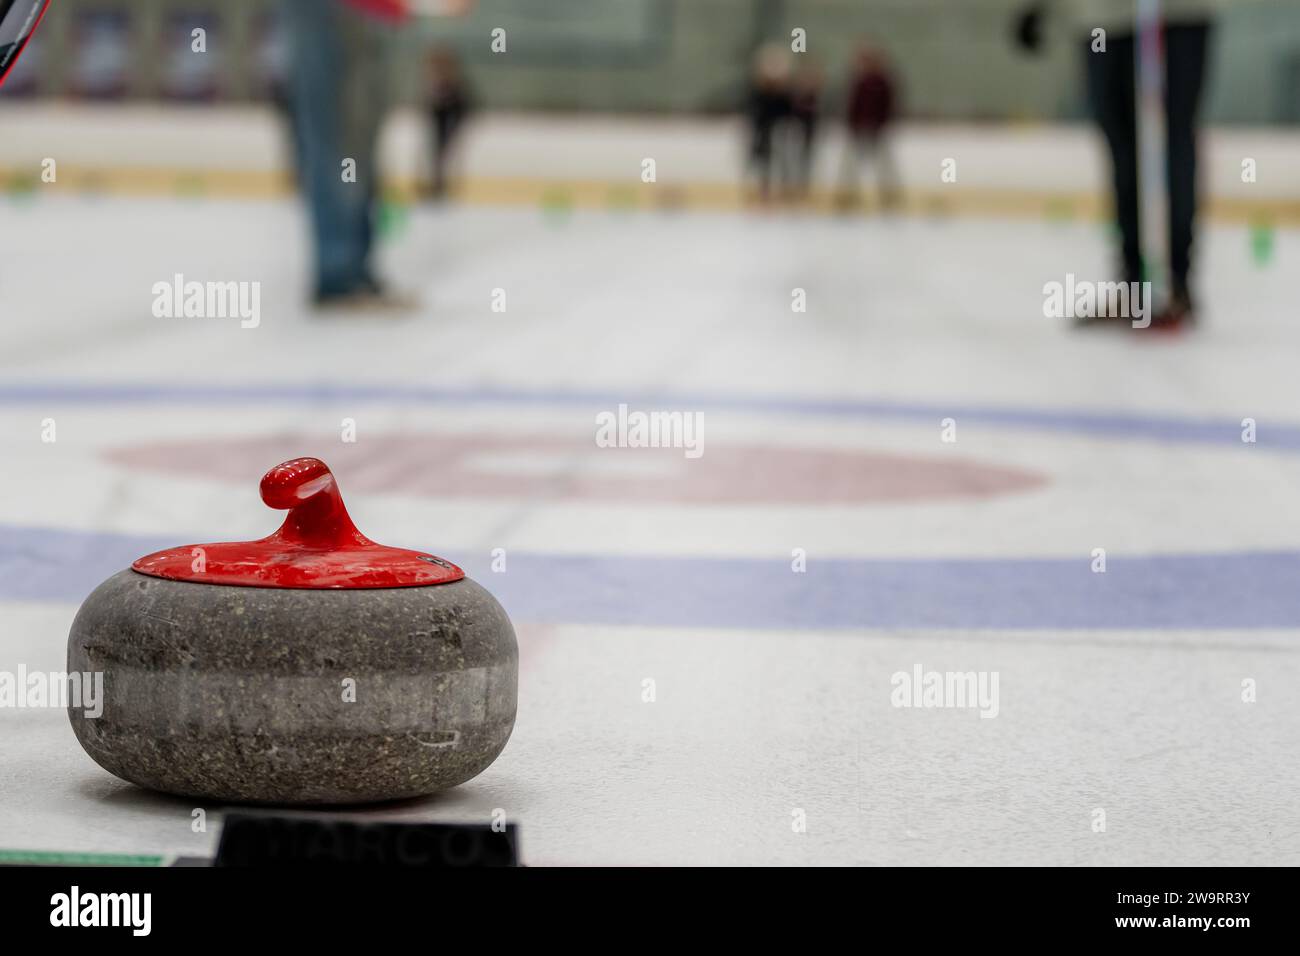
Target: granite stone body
column 295, row 696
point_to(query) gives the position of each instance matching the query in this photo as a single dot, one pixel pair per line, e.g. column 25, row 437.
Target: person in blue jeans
column 338, row 95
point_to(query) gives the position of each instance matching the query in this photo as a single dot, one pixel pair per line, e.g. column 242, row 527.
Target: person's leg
column 365, row 105
column 886, row 170
column 761, row 158
column 443, row 125
column 450, row 136
column 807, row 143
column 315, row 90
column 784, row 156
column 851, row 167
column 1185, row 56
column 1111, row 91
column 793, row 158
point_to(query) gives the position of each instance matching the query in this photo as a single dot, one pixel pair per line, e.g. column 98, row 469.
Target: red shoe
column 1177, row 316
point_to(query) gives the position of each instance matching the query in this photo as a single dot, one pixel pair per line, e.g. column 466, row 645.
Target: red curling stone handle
column 318, row 546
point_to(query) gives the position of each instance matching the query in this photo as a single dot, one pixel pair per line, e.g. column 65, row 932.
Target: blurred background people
column 872, row 102
column 589, row 72
column 449, row 104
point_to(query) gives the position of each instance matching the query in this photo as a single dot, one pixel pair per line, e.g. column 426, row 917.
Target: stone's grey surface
column 238, row 693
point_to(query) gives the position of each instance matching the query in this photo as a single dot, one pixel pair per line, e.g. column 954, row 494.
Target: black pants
column 446, row 126
column 1112, row 90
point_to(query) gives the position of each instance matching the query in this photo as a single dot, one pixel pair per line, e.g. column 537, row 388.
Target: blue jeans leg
column 339, row 210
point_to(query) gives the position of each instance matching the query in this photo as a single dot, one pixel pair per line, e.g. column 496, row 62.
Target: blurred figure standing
column 339, row 91
column 872, row 101
column 769, row 107
column 1112, row 94
column 449, row 105
column 805, row 109
column 1111, row 91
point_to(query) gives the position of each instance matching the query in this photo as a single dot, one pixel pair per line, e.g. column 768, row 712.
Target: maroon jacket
column 871, row 102
column 383, row 9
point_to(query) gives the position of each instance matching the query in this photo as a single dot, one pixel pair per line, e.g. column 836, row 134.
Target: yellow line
column 559, row 195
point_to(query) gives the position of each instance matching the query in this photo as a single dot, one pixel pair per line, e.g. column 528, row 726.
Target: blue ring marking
column 1108, row 424
column 1208, row 591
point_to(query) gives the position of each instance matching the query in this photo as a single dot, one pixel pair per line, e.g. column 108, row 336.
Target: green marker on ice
column 1261, row 241
column 392, row 218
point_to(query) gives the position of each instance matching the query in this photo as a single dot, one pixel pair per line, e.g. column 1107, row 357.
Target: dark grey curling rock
column 294, row 695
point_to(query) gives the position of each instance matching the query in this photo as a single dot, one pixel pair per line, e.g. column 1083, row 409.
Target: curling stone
column 309, row 667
